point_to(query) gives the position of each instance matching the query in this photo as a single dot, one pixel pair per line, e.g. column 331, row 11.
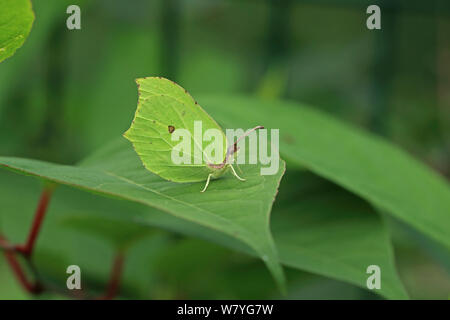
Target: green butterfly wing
column 164, row 107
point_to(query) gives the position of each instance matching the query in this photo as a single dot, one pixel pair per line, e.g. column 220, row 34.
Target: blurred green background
column 66, row 93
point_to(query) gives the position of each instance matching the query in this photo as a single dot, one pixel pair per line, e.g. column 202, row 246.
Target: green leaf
column 120, row 233
column 365, row 164
column 330, row 232
column 337, row 236
column 238, row 209
column 212, row 271
column 319, row 229
column 16, row 18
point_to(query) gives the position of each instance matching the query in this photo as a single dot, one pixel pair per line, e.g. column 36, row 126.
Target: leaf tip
column 126, row 134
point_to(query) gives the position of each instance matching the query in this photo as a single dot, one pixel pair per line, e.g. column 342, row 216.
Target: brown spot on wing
column 171, row 129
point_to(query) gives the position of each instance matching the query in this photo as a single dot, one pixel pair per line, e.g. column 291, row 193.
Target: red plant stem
column 33, row 288
column 39, row 215
column 26, row 250
column 114, row 281
column 4, row 244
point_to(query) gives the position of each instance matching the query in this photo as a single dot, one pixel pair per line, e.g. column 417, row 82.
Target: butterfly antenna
column 207, row 182
column 235, row 174
column 233, row 148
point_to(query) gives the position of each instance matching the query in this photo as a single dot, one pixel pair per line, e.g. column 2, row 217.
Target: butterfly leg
column 207, row 182
column 235, row 174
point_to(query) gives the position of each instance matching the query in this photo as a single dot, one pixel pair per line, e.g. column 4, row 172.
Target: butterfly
column 165, row 110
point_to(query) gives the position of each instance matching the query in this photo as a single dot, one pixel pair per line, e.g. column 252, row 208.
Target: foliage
column 341, row 201
column 16, row 19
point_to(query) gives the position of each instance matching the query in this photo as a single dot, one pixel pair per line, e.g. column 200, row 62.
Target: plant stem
column 114, row 281
column 33, row 288
column 5, row 245
column 27, row 248
column 10, row 251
